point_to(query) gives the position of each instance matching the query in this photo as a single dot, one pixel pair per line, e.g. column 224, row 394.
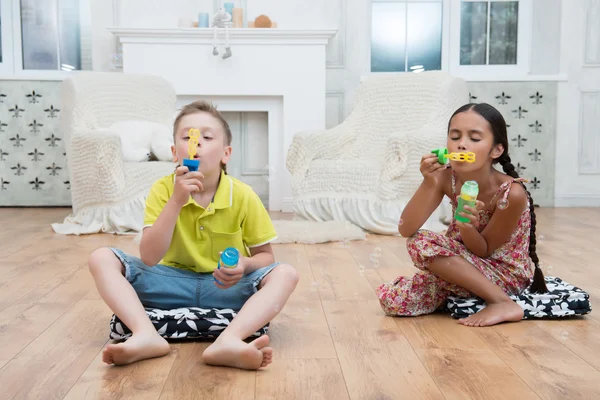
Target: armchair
column 366, row 169
column 108, row 194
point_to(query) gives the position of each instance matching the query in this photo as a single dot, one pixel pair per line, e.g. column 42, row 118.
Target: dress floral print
column 509, row 266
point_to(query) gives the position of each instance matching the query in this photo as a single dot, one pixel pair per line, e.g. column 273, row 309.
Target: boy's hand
column 472, row 215
column 229, row 276
column 186, row 183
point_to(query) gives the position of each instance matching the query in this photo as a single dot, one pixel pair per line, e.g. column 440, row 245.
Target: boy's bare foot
column 495, row 313
column 232, row 352
column 138, row 347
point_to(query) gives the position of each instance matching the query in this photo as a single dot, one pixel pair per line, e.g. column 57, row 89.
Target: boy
column 190, row 217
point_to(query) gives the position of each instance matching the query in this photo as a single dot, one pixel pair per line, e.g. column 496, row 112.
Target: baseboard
column 287, row 204
column 582, row 200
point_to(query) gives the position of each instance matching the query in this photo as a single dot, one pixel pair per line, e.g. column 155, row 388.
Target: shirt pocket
column 222, row 240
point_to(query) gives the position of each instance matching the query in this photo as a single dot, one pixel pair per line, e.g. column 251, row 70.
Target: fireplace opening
column 250, row 151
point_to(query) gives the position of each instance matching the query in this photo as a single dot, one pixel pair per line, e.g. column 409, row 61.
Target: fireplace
column 277, row 71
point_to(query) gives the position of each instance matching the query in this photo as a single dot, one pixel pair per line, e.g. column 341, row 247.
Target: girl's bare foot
column 233, row 352
column 495, row 313
column 138, row 347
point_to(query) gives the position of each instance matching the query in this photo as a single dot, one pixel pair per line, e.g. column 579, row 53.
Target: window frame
column 7, row 64
column 451, row 16
column 518, row 71
column 12, row 66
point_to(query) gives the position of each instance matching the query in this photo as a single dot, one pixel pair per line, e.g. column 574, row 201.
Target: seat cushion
column 183, row 323
column 341, row 176
column 561, row 300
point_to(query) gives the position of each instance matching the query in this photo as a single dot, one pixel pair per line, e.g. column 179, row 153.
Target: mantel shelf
column 236, row 35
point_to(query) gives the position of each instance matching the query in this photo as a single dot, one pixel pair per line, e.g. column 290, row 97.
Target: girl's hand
column 472, row 214
column 186, row 183
column 431, row 168
column 229, row 276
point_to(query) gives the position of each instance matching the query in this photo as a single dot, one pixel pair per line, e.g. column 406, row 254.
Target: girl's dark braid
column 539, row 284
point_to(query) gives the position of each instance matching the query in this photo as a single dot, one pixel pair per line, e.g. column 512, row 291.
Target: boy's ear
column 226, row 154
column 174, row 154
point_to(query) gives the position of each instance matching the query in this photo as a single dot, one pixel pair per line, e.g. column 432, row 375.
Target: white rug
column 299, row 231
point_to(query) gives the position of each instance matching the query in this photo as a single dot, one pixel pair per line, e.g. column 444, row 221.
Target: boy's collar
column 223, row 197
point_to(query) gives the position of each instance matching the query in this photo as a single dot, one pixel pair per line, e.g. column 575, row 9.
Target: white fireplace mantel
column 280, row 71
column 236, row 35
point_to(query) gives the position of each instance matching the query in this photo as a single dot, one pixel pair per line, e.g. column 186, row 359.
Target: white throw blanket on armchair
column 366, row 169
column 108, row 193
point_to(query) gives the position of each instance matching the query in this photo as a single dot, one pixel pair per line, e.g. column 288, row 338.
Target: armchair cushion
column 341, row 176
column 140, row 140
column 120, row 191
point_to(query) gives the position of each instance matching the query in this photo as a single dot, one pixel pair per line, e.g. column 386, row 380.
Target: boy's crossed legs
column 229, row 349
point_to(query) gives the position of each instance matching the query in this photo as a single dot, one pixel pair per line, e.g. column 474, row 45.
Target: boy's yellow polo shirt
column 235, row 218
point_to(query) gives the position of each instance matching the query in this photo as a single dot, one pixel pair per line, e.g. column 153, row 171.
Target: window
column 406, row 35
column 0, row 35
column 45, row 35
column 5, row 34
column 490, row 39
column 488, row 32
column 473, row 39
column 50, row 35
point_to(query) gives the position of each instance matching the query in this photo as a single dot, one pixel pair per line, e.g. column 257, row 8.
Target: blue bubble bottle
column 229, row 259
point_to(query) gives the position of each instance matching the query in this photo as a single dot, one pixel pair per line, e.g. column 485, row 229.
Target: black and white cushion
column 561, row 300
column 183, row 323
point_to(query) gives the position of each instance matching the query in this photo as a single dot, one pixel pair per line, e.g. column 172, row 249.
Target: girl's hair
column 498, row 127
column 204, row 106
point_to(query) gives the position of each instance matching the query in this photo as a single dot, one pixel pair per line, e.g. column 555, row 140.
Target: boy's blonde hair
column 204, row 106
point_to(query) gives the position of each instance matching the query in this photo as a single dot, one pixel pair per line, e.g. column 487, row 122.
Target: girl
column 489, row 256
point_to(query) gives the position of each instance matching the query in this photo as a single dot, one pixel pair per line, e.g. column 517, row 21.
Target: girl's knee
column 416, row 242
column 103, row 259
column 391, row 303
column 419, row 236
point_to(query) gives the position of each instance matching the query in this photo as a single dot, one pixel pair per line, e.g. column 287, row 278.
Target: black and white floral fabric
column 561, row 300
column 183, row 323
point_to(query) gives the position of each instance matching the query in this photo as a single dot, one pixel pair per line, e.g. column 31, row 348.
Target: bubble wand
column 443, row 156
column 191, row 163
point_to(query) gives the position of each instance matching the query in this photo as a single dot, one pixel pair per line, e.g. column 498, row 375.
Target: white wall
column 558, row 34
column 103, row 42
column 347, row 56
column 545, row 35
column 578, row 120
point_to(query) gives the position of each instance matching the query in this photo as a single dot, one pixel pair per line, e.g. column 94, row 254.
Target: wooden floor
column 331, row 341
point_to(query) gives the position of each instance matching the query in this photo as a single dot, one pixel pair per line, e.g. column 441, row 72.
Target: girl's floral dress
column 509, row 266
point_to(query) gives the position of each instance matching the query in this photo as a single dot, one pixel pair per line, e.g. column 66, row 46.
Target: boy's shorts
column 167, row 288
